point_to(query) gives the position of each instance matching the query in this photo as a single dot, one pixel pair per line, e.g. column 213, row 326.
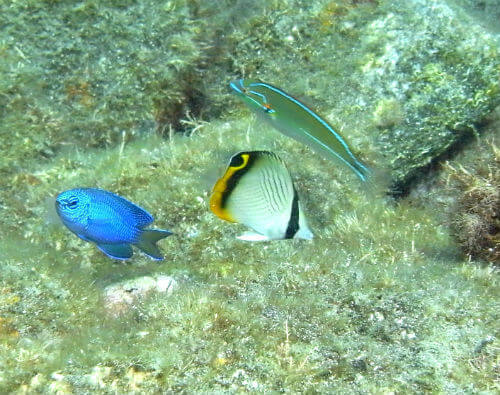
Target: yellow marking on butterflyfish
column 220, row 189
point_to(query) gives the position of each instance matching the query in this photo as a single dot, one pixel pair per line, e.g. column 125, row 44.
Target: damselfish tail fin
column 148, row 239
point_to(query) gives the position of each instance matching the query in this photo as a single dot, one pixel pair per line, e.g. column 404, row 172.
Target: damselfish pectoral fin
column 116, row 251
column 148, row 239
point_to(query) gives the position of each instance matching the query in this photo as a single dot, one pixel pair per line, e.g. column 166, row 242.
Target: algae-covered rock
column 89, row 72
column 405, row 79
column 442, row 68
column 466, row 194
column 485, row 12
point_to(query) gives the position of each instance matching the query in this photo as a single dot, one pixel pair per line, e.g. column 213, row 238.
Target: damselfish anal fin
column 116, row 251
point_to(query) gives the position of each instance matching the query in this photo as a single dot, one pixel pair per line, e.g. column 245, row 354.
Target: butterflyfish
column 110, row 221
column 296, row 120
column 256, row 190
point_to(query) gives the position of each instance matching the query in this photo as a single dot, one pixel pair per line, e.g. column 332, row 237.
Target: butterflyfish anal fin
column 252, row 236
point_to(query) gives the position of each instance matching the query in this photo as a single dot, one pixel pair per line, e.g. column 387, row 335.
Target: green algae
column 381, row 301
column 89, row 71
column 92, row 72
column 466, row 195
column 372, row 303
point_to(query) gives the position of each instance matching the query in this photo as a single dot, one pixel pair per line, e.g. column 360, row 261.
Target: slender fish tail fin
column 148, row 239
column 362, row 171
column 378, row 182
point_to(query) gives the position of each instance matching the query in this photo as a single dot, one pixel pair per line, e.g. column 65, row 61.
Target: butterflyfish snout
column 256, row 190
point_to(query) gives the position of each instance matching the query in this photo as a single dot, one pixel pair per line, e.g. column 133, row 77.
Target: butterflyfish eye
column 236, row 161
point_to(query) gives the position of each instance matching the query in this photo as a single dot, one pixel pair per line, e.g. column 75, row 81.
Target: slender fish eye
column 268, row 108
column 261, row 99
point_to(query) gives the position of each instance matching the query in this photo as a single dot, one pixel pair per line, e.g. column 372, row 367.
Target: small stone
column 165, row 284
column 388, row 113
column 121, row 297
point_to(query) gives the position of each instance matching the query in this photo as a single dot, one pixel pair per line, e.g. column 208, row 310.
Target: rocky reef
column 396, row 293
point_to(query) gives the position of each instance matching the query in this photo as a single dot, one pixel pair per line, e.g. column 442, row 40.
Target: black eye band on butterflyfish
column 238, row 165
column 236, row 161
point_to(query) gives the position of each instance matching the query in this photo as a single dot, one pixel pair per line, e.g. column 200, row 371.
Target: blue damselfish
column 111, row 222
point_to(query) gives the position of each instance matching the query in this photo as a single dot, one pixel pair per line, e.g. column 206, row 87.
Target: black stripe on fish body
column 232, row 182
column 293, row 223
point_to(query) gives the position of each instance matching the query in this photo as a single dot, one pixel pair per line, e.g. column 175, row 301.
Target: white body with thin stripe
column 263, row 200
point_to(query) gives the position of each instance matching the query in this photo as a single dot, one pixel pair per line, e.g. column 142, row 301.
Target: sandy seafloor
column 397, row 292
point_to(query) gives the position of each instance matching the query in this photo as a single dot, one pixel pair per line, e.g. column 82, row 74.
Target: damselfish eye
column 72, row 204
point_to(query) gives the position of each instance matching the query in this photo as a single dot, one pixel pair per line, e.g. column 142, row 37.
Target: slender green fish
column 294, row 119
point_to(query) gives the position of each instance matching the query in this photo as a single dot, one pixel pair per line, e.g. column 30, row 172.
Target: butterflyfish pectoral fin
column 116, row 251
column 257, row 190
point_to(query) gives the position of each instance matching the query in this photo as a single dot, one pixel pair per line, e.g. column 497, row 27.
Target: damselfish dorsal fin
column 141, row 217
